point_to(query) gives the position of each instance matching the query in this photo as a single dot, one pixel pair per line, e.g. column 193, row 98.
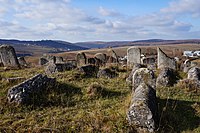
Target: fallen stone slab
column 143, row 112
column 21, row 93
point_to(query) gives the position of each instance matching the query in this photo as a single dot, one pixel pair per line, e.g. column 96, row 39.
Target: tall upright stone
column 165, row 61
column 8, row 56
column 81, row 59
column 133, row 56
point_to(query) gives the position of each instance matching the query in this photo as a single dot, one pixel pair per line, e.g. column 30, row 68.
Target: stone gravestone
column 59, row 60
column 22, row 61
column 133, row 56
column 143, row 75
column 1, row 62
column 8, row 56
column 165, row 61
column 91, row 61
column 22, row 93
column 100, row 59
column 47, row 59
column 166, row 78
column 113, row 58
column 143, row 112
column 81, row 59
column 194, row 73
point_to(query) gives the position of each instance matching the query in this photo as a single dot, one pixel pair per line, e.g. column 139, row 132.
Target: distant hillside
column 40, row 47
column 150, row 42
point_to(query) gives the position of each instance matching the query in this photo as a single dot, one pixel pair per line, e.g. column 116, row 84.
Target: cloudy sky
column 105, row 20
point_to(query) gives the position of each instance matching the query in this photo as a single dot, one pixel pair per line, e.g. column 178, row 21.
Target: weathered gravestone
column 133, row 56
column 130, row 77
column 22, row 61
column 47, row 59
column 81, row 59
column 194, row 73
column 166, row 78
column 91, row 61
column 23, row 93
column 100, row 59
column 8, row 56
column 59, row 60
column 60, row 67
column 113, row 58
column 143, row 112
column 89, row 70
column 143, row 75
column 165, row 61
column 106, row 73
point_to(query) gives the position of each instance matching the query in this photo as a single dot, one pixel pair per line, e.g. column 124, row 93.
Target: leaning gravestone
column 113, row 58
column 81, row 59
column 165, row 61
column 8, row 56
column 22, row 93
column 143, row 112
column 133, row 56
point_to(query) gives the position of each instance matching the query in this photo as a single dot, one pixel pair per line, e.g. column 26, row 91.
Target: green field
column 68, row 107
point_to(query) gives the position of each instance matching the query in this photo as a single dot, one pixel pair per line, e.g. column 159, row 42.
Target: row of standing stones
column 143, row 112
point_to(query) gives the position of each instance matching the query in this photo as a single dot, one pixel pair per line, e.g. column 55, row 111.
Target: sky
column 99, row 20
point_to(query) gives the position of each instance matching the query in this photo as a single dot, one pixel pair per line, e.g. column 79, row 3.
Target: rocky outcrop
column 106, row 73
column 8, row 57
column 166, row 78
column 22, row 93
column 143, row 112
column 165, row 61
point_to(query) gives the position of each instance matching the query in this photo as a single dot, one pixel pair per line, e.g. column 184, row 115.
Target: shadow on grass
column 177, row 116
column 110, row 94
column 62, row 94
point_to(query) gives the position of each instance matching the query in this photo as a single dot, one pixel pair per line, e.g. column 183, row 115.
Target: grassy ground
column 69, row 108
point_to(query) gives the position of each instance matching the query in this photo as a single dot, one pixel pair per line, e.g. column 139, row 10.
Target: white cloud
column 183, row 7
column 50, row 19
column 107, row 12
